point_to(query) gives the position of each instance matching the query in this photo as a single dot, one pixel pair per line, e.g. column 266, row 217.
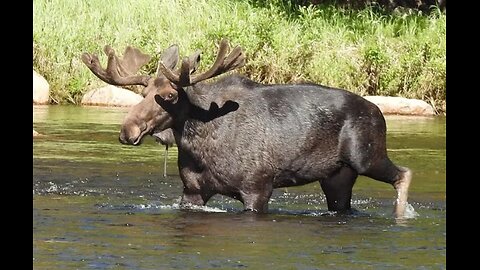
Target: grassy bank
column 366, row 51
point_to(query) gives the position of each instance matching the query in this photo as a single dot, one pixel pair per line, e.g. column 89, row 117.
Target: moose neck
column 198, row 104
column 198, row 98
column 190, row 105
column 196, row 117
column 190, row 122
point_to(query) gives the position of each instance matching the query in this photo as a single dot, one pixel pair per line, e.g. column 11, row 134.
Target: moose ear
column 169, row 58
column 194, row 60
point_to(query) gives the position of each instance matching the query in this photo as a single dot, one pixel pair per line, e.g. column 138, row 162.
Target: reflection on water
column 100, row 205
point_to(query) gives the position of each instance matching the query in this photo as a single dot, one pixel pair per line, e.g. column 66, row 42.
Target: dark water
column 98, row 204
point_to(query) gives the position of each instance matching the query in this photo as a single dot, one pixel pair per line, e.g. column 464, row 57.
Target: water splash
column 362, row 201
column 51, row 188
column 202, row 208
column 159, row 206
column 410, row 212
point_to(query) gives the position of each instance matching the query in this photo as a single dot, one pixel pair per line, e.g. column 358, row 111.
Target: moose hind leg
column 338, row 189
column 401, row 186
column 399, row 177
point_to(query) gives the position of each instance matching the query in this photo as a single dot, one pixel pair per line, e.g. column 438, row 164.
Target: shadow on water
column 99, row 204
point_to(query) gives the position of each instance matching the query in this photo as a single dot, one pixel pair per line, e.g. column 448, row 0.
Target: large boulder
column 111, row 96
column 400, row 105
column 41, row 89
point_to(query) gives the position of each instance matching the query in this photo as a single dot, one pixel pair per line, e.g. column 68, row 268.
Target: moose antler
column 119, row 71
column 222, row 64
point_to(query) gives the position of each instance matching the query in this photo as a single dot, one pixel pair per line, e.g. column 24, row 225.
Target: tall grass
column 366, row 51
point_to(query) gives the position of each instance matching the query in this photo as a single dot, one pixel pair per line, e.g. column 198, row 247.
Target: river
column 98, row 204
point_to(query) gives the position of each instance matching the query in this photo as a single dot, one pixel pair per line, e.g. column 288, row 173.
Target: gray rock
column 402, row 106
column 41, row 89
column 111, row 96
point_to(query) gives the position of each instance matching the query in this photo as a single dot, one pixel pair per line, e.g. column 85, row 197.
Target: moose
column 242, row 139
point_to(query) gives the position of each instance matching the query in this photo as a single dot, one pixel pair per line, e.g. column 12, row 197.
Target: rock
column 400, row 105
column 41, row 89
column 35, row 134
column 111, row 96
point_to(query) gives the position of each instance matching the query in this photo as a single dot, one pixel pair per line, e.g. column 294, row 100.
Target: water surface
column 98, row 204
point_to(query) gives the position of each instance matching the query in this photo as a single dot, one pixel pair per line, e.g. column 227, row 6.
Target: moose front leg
column 256, row 198
column 195, row 198
column 193, row 192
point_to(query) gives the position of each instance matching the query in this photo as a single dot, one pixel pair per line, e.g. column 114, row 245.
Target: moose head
column 168, row 88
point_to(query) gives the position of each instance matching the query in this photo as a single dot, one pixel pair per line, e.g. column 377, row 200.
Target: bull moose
column 242, row 139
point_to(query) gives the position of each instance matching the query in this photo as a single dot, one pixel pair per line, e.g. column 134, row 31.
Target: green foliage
column 373, row 63
column 367, row 51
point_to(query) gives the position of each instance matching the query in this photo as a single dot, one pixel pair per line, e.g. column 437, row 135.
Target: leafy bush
column 367, row 51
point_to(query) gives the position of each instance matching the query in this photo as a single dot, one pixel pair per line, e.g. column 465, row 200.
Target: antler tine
column 92, row 62
column 133, row 59
column 235, row 59
column 117, row 73
column 182, row 77
column 217, row 65
column 171, row 76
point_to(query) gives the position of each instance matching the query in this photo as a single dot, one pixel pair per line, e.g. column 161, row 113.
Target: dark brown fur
column 243, row 139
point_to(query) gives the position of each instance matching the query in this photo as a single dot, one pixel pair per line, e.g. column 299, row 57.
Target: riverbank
column 113, row 96
column 367, row 51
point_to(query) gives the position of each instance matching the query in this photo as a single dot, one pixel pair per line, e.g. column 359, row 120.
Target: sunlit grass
column 366, row 51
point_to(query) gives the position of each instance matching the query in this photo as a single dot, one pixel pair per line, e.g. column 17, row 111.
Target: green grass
column 366, row 51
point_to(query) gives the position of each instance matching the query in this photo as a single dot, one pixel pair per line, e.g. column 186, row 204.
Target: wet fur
column 277, row 136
